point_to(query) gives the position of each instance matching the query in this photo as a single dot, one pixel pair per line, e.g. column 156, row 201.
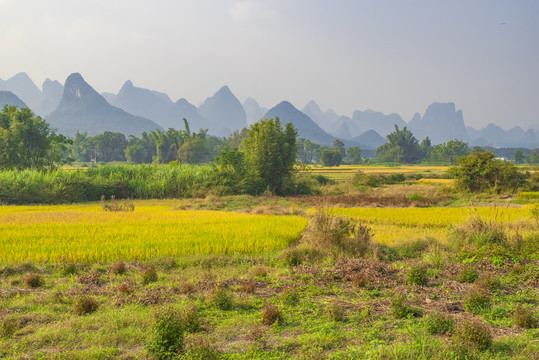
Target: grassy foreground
column 334, row 294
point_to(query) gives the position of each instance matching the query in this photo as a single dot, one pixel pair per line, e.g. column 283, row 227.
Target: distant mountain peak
column 128, row 84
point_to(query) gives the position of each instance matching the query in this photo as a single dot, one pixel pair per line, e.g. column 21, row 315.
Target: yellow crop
column 87, row 233
column 344, row 172
column 393, row 226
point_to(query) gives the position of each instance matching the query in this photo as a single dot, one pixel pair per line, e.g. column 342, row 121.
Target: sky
column 393, row 56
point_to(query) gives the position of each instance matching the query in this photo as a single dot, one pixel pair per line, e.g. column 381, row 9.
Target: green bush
column 439, row 324
column 85, row 305
column 467, row 275
column 417, row 275
column 170, row 328
column 399, row 308
column 480, row 171
column 7, row 328
column 221, row 299
column 149, row 275
column 477, row 300
column 525, row 318
column 34, row 280
column 271, row 314
column 473, row 334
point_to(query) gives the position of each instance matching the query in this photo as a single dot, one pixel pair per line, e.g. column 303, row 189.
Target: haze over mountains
column 76, row 106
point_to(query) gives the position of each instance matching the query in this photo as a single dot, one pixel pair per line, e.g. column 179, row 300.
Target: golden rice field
column 393, row 226
column 344, row 172
column 87, row 233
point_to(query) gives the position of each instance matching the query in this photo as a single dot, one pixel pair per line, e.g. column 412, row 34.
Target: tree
column 27, row 141
column 402, row 147
column 480, row 171
column 354, row 155
column 448, row 153
column 270, row 152
column 110, row 146
column 518, row 156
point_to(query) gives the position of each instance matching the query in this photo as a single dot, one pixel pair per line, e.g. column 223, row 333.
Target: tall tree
column 27, row 141
column 270, row 152
column 402, row 147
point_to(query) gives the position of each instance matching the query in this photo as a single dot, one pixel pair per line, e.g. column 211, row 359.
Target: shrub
column 337, row 233
column 118, row 268
column 335, row 312
column 187, row 288
column 399, row 308
column 271, row 314
column 474, row 334
column 248, row 287
column 85, row 305
column 439, row 324
column 435, row 257
column 489, row 283
column 467, row 275
column 149, row 275
column 477, row 300
column 260, row 271
column 170, row 326
column 480, row 171
column 7, row 328
column 124, row 288
column 200, row 347
column 69, row 269
column 221, row 299
column 525, row 318
column 33, row 280
column 479, row 232
column 290, row 297
column 417, row 275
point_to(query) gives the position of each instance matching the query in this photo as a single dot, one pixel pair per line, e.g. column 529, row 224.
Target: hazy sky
column 390, row 56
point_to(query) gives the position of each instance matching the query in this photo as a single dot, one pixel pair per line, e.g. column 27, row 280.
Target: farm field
column 88, row 234
column 345, row 172
column 243, row 277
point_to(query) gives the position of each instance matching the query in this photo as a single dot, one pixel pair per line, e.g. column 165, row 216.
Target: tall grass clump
column 328, row 234
column 123, row 181
column 171, row 326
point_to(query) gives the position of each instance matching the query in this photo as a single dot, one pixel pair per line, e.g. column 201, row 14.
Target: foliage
column 354, row 155
column 525, row 317
column 448, row 153
column 271, row 314
column 27, row 141
column 400, row 309
column 468, row 274
column 402, row 147
column 417, row 275
column 149, row 275
column 439, row 324
column 123, row 181
column 474, row 334
column 477, row 300
column 221, row 299
column 270, row 151
column 480, row 171
column 85, row 305
column 171, row 326
column 33, row 280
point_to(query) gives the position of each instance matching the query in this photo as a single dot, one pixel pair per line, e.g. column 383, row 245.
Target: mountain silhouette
column 306, row 127
column 9, row 98
column 84, row 109
column 224, row 112
column 25, row 89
